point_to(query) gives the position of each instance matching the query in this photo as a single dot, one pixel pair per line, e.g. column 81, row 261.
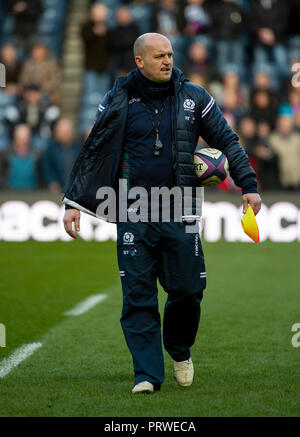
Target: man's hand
column 254, row 200
column 72, row 215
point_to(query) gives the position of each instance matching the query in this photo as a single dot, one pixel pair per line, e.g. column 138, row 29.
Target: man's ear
column 139, row 61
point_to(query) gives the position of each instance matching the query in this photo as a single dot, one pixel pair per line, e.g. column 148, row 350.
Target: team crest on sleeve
column 189, row 105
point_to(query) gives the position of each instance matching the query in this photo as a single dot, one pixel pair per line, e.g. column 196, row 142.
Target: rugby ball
column 211, row 166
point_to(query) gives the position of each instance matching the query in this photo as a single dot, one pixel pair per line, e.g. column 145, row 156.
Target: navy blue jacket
column 194, row 114
column 149, row 107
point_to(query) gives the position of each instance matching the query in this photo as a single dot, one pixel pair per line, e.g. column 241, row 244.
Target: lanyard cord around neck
column 158, row 144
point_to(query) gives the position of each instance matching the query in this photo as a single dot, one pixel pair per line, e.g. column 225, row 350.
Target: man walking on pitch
column 146, row 132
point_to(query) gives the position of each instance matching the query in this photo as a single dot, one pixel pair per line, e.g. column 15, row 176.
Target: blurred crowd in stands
column 246, row 53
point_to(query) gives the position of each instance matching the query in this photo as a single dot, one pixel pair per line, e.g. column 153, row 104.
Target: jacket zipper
column 174, row 125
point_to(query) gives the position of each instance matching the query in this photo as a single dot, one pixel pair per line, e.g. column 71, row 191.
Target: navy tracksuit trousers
column 164, row 251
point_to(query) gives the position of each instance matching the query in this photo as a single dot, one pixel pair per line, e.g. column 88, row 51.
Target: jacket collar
column 125, row 81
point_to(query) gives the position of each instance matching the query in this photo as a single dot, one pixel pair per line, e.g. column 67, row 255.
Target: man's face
column 39, row 53
column 63, row 132
column 99, row 13
column 156, row 60
column 22, row 140
column 285, row 124
column 8, row 54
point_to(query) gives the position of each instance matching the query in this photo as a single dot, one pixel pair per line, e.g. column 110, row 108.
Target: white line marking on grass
column 19, row 355
column 86, row 305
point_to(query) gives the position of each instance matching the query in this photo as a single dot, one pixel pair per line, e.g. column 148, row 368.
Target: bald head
column 22, row 137
column 146, row 40
column 64, row 131
column 153, row 55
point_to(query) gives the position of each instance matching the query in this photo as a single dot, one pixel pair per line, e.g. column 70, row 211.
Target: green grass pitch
column 245, row 364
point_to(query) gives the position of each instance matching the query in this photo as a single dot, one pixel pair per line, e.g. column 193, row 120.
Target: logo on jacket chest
column 189, row 105
column 190, row 118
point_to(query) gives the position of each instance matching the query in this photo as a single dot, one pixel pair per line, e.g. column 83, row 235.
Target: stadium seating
column 92, row 86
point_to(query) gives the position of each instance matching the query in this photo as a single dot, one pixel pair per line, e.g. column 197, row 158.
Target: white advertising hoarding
column 42, row 221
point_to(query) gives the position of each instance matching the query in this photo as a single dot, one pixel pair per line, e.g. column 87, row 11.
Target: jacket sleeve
column 216, row 132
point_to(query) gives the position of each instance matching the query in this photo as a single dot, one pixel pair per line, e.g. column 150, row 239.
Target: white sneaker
column 143, row 387
column 184, row 372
